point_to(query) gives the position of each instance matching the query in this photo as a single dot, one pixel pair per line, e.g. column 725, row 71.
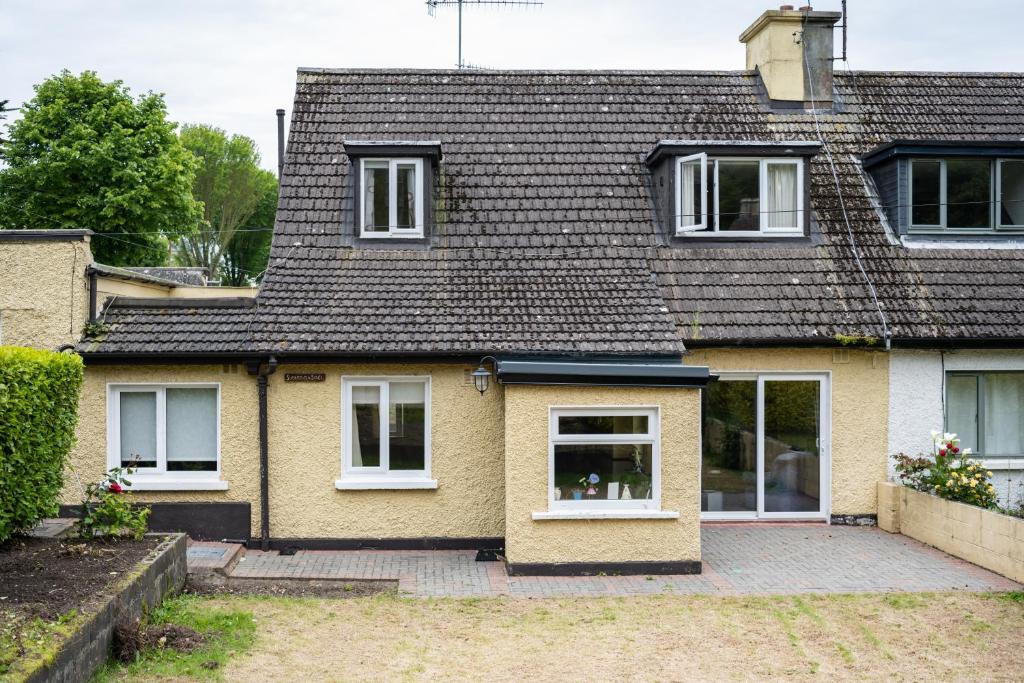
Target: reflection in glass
column 622, row 471
column 925, row 192
column 968, row 193
column 792, row 455
column 1011, row 193
column 738, row 195
column 407, row 422
column 729, row 447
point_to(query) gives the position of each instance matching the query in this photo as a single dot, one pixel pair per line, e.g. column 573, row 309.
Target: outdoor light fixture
column 482, row 376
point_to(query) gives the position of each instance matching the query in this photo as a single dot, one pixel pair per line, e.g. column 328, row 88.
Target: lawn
column 948, row 636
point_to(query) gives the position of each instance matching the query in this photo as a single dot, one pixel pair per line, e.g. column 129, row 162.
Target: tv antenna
column 432, row 6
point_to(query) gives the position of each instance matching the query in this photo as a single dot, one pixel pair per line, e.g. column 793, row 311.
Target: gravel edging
column 76, row 657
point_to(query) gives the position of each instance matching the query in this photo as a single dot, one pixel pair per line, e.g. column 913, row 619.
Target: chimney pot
column 786, row 8
column 806, row 8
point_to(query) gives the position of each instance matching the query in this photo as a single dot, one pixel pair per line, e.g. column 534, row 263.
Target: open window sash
column 691, row 192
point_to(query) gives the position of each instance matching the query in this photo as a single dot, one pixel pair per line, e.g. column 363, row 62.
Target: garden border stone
column 160, row 573
column 986, row 538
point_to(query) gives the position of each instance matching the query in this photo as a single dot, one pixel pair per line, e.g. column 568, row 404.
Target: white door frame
column 824, row 446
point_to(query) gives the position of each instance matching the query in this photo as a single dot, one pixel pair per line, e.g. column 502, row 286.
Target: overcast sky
column 231, row 63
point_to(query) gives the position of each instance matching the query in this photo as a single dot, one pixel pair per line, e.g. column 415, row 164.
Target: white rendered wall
column 916, row 405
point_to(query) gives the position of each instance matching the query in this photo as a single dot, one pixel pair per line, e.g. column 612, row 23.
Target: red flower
column 942, row 451
column 955, row 449
column 114, row 487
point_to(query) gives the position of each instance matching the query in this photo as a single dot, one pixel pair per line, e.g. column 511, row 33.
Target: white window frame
column 652, row 437
column 824, row 446
column 981, row 377
column 393, row 229
column 703, row 224
column 159, row 478
column 382, row 477
column 762, row 180
column 999, row 197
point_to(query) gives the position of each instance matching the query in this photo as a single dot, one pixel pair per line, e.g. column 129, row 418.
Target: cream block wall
column 44, row 294
column 527, row 540
column 467, row 449
column 859, row 385
column 239, row 431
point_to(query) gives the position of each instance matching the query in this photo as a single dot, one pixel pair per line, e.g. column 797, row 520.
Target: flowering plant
column 107, row 510
column 948, row 473
column 590, row 483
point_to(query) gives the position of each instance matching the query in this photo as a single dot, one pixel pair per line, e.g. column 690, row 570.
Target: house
column 575, row 313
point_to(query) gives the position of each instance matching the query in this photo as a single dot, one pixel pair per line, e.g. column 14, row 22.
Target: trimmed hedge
column 38, row 414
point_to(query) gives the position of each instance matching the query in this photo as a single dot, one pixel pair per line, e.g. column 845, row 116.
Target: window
column 167, row 432
column 604, row 458
column 386, row 428
column 967, row 194
column 391, row 198
column 986, row 410
column 739, row 196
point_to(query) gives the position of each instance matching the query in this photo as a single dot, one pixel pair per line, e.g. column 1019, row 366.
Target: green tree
column 230, row 184
column 3, row 117
column 249, row 251
column 86, row 154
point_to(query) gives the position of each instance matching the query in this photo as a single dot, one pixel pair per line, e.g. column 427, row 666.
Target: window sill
column 178, row 485
column 1000, row 463
column 383, row 484
column 604, row 514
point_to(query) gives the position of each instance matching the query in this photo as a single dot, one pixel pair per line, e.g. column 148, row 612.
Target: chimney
column 280, row 144
column 792, row 51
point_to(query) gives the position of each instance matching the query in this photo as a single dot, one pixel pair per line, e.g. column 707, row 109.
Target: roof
column 134, row 274
column 193, row 276
column 546, row 239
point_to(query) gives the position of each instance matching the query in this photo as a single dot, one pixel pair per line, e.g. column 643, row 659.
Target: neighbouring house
column 575, row 313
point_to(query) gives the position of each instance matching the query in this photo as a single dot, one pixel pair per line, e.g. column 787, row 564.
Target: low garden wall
column 988, row 539
column 163, row 572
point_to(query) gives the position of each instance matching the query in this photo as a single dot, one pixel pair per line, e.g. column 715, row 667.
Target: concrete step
column 207, row 557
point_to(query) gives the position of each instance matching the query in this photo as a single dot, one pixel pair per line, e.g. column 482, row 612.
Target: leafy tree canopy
column 249, row 251
column 86, row 154
column 231, row 185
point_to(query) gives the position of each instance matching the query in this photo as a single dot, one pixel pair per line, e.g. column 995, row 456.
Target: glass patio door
column 764, row 449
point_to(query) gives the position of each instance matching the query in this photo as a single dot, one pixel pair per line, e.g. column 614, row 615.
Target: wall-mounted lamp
column 482, row 376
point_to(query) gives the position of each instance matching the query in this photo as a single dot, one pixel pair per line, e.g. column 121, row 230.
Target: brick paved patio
column 738, row 560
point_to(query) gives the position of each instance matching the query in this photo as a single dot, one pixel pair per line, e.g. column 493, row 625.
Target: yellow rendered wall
column 305, row 452
column 239, row 427
column 527, row 410
column 44, row 294
column 859, row 407
column 779, row 58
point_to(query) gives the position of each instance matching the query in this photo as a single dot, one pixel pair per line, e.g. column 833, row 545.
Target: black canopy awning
column 620, row 373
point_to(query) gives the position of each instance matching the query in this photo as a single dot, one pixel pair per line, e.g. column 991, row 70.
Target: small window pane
column 375, row 197
column 603, row 424
column 738, row 195
column 407, row 426
column 962, row 409
column 1011, row 193
column 968, row 193
column 690, row 193
column 365, row 418
column 782, row 199
column 138, row 428
column 1004, row 413
column 191, row 430
column 407, row 196
column 925, row 192
column 603, row 472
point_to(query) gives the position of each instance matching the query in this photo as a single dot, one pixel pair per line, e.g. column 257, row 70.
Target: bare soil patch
column 902, row 637
column 217, row 584
column 48, row 577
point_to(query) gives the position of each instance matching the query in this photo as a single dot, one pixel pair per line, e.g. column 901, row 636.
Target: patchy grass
column 24, row 640
column 228, row 628
column 665, row 637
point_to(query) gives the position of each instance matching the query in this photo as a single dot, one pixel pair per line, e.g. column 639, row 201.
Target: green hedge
column 38, row 413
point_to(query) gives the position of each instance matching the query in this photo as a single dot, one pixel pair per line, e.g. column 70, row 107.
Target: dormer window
column 392, row 183
column 950, row 189
column 731, row 189
column 739, row 196
column 392, row 198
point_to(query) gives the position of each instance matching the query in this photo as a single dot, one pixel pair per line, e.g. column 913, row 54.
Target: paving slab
column 739, row 559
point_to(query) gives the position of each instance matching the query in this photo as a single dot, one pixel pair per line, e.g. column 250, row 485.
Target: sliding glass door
column 764, row 449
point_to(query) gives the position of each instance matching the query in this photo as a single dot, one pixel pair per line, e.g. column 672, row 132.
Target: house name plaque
column 304, row 377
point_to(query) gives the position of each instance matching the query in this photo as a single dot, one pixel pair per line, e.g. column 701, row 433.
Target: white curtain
column 365, row 396
column 782, row 199
column 191, row 425
column 368, row 176
column 1004, row 413
column 962, row 411
column 689, row 187
column 138, row 427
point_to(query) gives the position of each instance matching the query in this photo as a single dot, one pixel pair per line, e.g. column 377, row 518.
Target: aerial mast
column 432, row 6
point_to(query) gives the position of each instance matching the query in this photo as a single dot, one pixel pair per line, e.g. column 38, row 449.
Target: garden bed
column 60, row 599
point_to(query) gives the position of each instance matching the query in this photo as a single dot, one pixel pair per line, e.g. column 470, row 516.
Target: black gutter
column 58, row 235
column 156, row 358
column 262, row 372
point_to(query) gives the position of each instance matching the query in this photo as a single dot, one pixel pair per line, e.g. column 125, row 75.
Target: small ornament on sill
column 626, row 495
column 591, row 483
column 558, row 493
